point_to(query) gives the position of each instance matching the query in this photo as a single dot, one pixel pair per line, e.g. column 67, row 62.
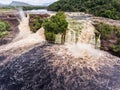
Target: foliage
column 109, row 32
column 104, row 30
column 74, row 25
column 4, row 29
column 105, row 8
column 56, row 24
column 116, row 49
column 35, row 23
column 50, row 36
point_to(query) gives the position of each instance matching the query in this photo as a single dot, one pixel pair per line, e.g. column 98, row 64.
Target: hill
column 2, row 5
column 16, row 3
column 104, row 8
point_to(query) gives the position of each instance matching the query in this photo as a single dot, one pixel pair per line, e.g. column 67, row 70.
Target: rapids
column 25, row 38
column 81, row 40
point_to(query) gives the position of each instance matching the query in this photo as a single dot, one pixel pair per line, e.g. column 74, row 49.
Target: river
column 39, row 11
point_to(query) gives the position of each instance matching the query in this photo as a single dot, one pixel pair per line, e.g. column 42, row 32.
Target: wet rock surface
column 49, row 67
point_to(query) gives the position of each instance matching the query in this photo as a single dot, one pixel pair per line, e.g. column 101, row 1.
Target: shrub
column 35, row 23
column 4, row 29
column 56, row 25
column 106, row 30
column 108, row 33
column 115, row 49
column 50, row 36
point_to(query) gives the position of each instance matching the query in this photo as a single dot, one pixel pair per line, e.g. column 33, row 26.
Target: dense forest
column 104, row 8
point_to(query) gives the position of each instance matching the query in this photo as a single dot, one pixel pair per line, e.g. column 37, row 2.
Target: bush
column 109, row 33
column 50, row 36
column 56, row 25
column 116, row 49
column 106, row 30
column 35, row 23
column 4, row 29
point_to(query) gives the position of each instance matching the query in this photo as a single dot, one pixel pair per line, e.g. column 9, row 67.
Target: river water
column 39, row 11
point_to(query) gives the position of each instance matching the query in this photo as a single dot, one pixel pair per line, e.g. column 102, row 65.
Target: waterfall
column 98, row 42
column 25, row 38
column 70, row 37
column 80, row 39
column 58, row 38
column 24, row 29
column 74, row 29
column 87, row 35
column 21, row 13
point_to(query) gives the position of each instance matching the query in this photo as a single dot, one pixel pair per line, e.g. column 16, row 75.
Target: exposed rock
column 49, row 67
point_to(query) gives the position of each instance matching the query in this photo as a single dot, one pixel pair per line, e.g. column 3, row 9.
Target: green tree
column 57, row 24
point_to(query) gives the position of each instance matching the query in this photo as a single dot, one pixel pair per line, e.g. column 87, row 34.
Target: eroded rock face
column 52, row 67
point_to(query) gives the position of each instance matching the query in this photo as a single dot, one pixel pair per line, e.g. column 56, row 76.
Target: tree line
column 104, row 8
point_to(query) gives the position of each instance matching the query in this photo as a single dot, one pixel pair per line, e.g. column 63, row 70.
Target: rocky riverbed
column 50, row 67
column 30, row 63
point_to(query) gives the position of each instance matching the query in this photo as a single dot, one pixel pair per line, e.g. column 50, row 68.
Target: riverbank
column 49, row 67
column 30, row 63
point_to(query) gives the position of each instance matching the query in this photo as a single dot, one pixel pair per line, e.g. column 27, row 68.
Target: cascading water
column 98, row 42
column 70, row 37
column 21, row 13
column 25, row 38
column 24, row 29
column 74, row 29
column 82, row 41
column 87, row 35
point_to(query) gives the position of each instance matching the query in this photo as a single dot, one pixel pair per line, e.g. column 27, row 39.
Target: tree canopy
column 104, row 8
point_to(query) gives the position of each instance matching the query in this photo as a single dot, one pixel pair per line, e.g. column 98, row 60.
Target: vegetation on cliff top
column 110, row 40
column 36, row 21
column 104, row 8
column 4, row 29
column 53, row 26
